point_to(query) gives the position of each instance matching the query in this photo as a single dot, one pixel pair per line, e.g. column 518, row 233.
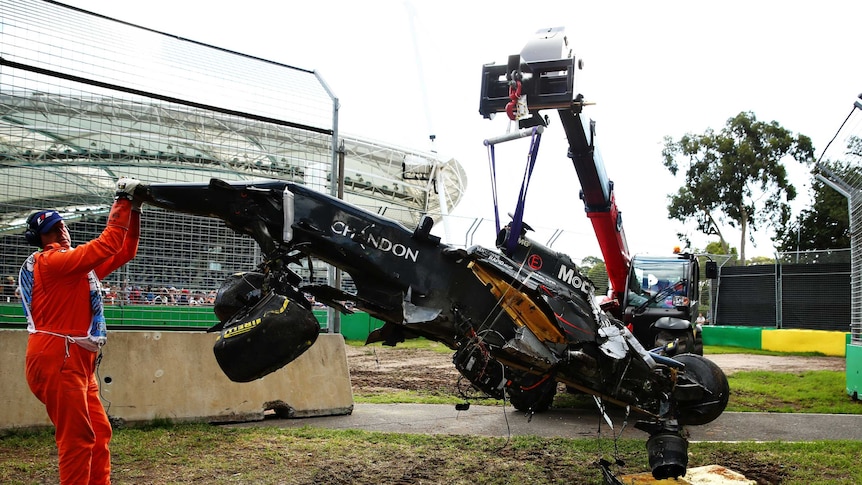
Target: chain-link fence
column 846, row 149
column 82, row 106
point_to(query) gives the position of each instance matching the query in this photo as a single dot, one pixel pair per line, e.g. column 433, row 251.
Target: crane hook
column 514, row 96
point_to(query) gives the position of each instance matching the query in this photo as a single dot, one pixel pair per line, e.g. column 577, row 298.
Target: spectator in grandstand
column 61, row 296
column 9, row 289
column 125, row 293
column 163, row 298
column 110, row 295
column 135, row 296
column 149, row 295
column 196, row 299
column 173, row 295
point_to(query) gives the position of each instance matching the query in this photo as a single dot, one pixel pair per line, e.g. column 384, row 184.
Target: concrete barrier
column 149, row 375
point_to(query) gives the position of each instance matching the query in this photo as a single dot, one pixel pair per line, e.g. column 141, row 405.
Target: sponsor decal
column 249, row 325
column 571, row 277
column 535, row 262
column 366, row 237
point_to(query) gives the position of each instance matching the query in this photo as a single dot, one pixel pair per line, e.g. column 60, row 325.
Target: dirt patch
column 731, row 363
column 377, row 369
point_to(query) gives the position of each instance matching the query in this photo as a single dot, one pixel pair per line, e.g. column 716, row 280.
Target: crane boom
column 544, row 76
column 597, row 192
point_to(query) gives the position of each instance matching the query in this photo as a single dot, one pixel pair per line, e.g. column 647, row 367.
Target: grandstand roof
column 83, row 143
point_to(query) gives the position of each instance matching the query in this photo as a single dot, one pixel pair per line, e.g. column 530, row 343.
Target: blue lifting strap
column 517, row 218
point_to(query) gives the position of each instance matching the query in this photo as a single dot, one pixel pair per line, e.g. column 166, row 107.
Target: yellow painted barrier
column 791, row 340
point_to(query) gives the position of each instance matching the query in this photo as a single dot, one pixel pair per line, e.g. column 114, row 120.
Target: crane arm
column 597, row 192
column 541, row 77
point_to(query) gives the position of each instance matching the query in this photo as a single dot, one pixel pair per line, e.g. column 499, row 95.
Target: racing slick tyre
column 265, row 337
column 712, row 402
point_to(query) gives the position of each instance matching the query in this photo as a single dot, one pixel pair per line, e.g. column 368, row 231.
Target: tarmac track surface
column 495, row 421
column 391, row 368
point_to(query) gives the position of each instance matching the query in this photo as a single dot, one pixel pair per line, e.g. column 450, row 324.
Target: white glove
column 126, row 187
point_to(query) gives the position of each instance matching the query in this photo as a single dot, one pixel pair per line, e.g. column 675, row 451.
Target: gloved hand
column 126, row 188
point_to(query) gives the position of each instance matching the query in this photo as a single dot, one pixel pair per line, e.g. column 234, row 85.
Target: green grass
column 416, row 343
column 415, row 397
column 197, row 453
column 751, row 391
column 791, row 392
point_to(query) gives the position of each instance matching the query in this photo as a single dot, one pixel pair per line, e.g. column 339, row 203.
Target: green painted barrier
column 854, row 370
column 12, row 313
column 137, row 315
column 356, row 326
column 183, row 316
column 745, row 337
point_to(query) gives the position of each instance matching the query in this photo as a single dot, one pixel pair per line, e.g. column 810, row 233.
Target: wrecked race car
column 518, row 322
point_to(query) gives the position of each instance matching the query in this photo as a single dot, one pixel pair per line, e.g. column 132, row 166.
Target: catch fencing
column 85, row 99
column 846, row 148
column 801, row 290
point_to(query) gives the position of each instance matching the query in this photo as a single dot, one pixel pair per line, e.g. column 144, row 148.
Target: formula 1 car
column 519, row 321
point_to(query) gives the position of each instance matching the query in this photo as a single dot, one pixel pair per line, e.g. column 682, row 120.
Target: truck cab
column 661, row 296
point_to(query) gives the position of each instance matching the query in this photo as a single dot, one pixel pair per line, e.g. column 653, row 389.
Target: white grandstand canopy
column 81, row 107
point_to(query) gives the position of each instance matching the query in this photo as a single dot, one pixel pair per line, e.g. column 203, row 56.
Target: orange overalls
column 60, row 373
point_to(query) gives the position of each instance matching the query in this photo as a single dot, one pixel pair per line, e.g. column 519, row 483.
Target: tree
column 717, row 247
column 761, row 260
column 588, row 262
column 598, row 274
column 735, row 176
column 826, row 224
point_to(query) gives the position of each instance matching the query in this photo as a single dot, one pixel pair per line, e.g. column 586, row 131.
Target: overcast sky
column 404, row 70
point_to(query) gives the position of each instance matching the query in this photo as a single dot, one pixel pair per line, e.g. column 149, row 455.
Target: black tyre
column 698, row 344
column 263, row 338
column 687, row 343
column 709, row 375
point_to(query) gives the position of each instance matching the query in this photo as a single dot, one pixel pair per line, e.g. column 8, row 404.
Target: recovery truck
column 654, row 296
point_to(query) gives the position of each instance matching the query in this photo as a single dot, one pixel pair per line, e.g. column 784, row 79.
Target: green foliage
column 735, row 176
column 598, row 274
column 826, row 224
column 716, row 247
column 589, row 262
